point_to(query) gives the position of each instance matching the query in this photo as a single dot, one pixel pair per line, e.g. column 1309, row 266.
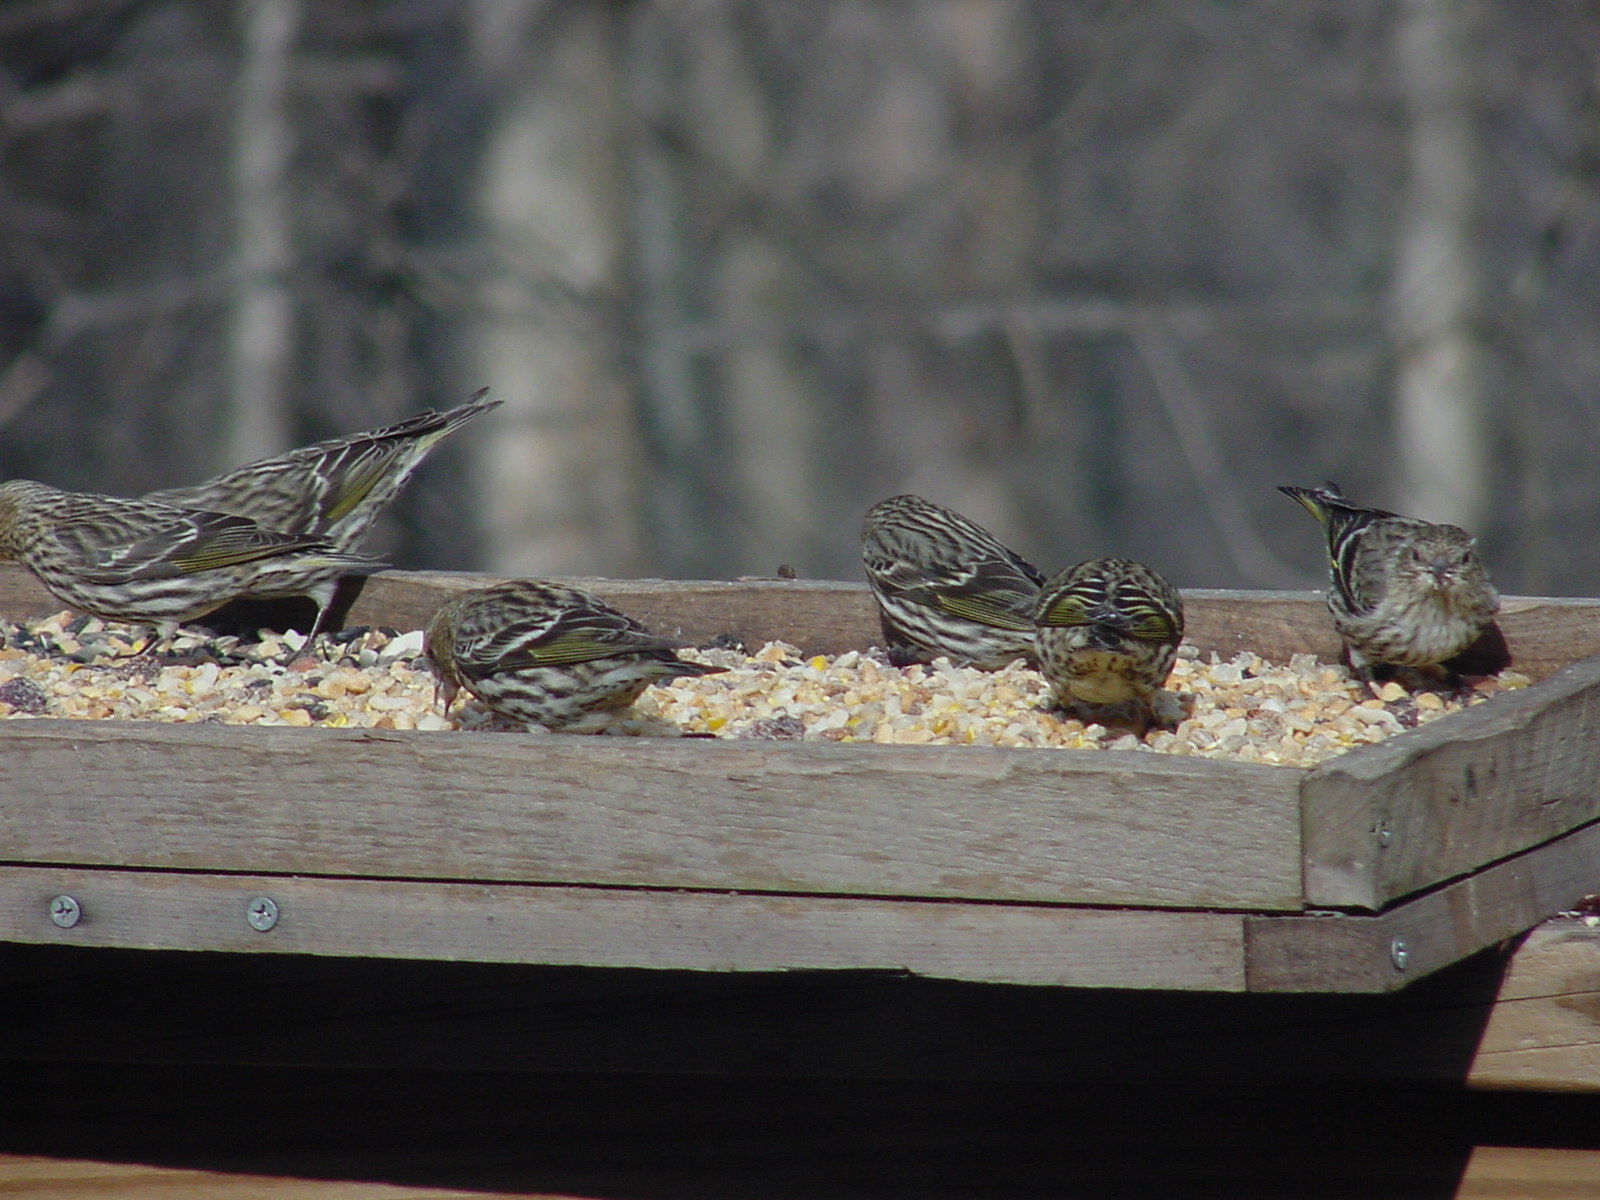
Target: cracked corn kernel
column 1296, row 713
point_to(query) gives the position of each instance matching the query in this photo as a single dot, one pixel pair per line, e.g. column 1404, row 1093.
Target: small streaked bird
column 332, row 490
column 155, row 564
column 946, row 586
column 1108, row 631
column 1402, row 592
column 548, row 654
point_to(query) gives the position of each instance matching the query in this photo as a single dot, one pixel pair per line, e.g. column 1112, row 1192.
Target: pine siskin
column 548, row 654
column 1108, row 630
column 154, row 564
column 334, row 489
column 946, row 586
column 1402, row 592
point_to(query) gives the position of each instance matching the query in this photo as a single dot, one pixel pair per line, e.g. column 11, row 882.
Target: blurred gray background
column 1098, row 274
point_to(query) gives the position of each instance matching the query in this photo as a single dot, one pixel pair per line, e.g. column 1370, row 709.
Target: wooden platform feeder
column 1091, row 869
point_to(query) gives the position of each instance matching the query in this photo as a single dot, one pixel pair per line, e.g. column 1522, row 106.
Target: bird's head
column 438, row 647
column 1442, row 558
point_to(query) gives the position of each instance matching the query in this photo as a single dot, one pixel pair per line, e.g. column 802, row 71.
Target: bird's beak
column 1107, row 628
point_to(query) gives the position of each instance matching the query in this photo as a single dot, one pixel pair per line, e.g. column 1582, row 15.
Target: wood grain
column 1529, row 1173
column 818, row 616
column 1544, row 1029
column 829, row 617
column 1336, row 952
column 1413, row 811
column 65, row 1179
column 951, row 822
column 937, row 823
column 603, row 927
column 1492, row 1173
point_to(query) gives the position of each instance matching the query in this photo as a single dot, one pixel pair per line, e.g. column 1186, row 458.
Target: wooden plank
column 1337, row 952
column 22, row 596
column 1544, row 1029
column 1543, row 633
column 599, row 927
column 1406, row 814
column 602, row 927
column 818, row 616
column 76, row 1179
column 958, row 822
column 1273, row 624
column 1378, row 823
column 829, row 617
column 1546, row 633
column 1492, row 1171
column 1529, row 1173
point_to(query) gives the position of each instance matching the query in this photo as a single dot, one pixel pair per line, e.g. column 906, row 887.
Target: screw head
column 262, row 913
column 1399, row 954
column 65, row 911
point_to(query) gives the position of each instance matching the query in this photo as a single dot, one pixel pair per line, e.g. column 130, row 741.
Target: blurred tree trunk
column 675, row 483
column 558, row 484
column 258, row 421
column 955, row 68
column 1441, row 417
column 774, row 461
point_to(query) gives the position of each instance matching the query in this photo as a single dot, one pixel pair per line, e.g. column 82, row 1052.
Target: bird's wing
column 559, row 636
column 189, row 542
column 993, row 592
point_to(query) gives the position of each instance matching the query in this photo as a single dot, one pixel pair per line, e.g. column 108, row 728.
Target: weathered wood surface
column 644, row 928
column 39, row 1178
column 1491, row 1173
column 953, row 822
column 1544, row 634
column 1335, row 952
column 830, row 617
column 605, row 927
column 818, row 616
column 1529, row 1173
column 924, row 823
column 1543, row 1031
column 1387, row 820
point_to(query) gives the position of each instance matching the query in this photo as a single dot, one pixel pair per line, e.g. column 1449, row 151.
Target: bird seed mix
column 1244, row 708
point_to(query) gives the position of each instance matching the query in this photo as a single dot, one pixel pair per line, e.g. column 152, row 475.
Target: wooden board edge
column 1344, row 952
column 602, row 927
column 83, row 1179
column 1407, row 814
column 969, row 824
column 1543, row 1032
column 831, row 616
